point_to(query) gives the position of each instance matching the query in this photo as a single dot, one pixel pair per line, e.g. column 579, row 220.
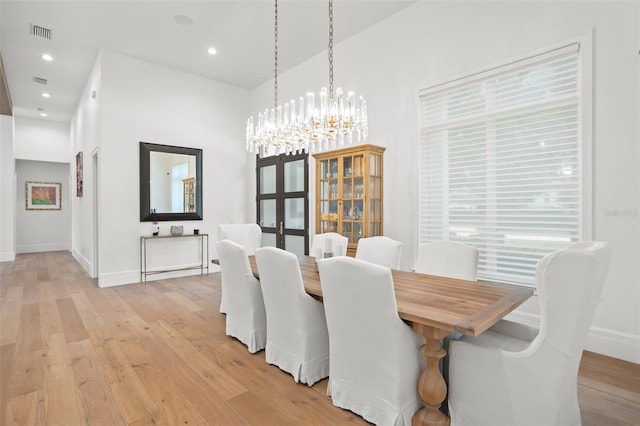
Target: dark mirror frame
column 145, row 190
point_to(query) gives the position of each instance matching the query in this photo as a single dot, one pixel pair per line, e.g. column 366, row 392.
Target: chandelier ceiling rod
column 330, row 50
column 275, row 61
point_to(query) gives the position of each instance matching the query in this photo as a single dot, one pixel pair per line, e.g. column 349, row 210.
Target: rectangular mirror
column 170, row 183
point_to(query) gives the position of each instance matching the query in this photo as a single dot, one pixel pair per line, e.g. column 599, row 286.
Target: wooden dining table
column 435, row 307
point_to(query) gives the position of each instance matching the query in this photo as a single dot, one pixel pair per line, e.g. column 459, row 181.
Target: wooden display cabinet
column 349, row 193
column 189, row 192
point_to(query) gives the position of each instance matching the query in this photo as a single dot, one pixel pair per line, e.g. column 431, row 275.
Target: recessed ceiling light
column 183, row 20
column 47, row 57
column 43, row 114
column 212, row 50
column 45, row 95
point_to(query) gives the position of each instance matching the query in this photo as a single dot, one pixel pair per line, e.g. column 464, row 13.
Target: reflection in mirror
column 170, row 183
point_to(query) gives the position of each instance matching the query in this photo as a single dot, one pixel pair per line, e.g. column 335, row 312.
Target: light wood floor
column 73, row 354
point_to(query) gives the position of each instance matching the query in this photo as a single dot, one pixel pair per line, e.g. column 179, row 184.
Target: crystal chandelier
column 312, row 125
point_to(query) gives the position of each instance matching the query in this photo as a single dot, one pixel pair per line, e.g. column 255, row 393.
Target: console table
column 204, row 255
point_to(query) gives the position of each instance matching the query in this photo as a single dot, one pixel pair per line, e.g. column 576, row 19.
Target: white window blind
column 500, row 163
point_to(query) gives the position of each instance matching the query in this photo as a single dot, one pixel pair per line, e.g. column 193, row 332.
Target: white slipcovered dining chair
column 249, row 236
column 452, row 260
column 528, row 332
column 503, row 377
column 320, row 242
column 380, row 250
column 297, row 339
column 375, row 359
column 246, row 318
column 448, row 259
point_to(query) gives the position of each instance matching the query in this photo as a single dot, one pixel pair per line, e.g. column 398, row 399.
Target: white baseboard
column 38, row 248
column 603, row 341
column 7, row 256
column 614, row 344
column 118, row 278
column 84, row 262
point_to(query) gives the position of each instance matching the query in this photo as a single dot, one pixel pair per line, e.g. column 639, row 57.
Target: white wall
column 42, row 230
column 41, row 153
column 7, row 191
column 41, row 140
column 431, row 42
column 85, row 138
column 141, row 101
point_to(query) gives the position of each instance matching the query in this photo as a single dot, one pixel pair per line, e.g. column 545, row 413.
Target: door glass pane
column 374, row 229
column 358, row 188
column 268, row 179
column 347, row 166
column 347, row 231
column 333, row 210
column 358, row 162
column 333, row 189
column 324, row 190
column 333, row 166
column 324, row 169
column 294, row 244
column 358, row 210
column 268, row 213
column 268, row 239
column 347, row 212
column 347, row 188
column 294, row 176
column 374, row 187
column 374, row 165
column 294, row 213
column 375, row 212
column 328, row 227
column 357, row 231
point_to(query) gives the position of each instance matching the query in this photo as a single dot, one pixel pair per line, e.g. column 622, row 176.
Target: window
column 502, row 162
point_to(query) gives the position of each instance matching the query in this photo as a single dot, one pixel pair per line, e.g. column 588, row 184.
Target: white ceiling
column 241, row 31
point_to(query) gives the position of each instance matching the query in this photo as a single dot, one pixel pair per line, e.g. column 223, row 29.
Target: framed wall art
column 43, row 195
column 79, row 186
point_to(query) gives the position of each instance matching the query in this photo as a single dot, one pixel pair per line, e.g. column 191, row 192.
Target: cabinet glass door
column 375, row 195
column 353, row 197
column 329, row 195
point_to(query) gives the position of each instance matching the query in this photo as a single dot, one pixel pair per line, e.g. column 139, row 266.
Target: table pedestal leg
column 431, row 387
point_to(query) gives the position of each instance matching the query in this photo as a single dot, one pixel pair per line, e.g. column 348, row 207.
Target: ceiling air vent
column 39, row 80
column 39, row 31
